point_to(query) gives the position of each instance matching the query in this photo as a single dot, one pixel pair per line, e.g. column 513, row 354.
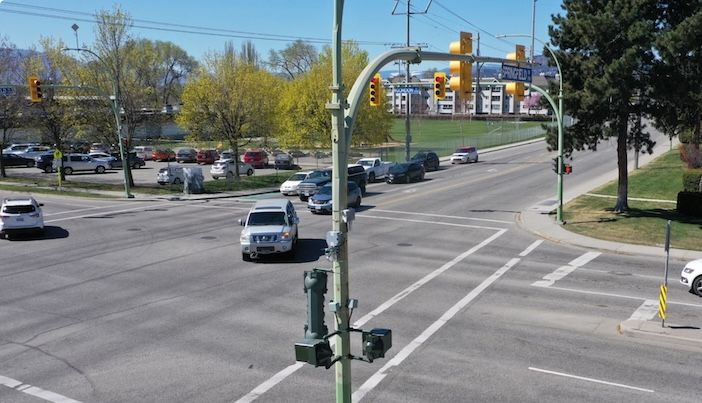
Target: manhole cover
column 404, row 244
column 133, row 229
column 208, row 237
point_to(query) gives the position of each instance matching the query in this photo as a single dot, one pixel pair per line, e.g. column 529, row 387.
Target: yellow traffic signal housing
column 34, row 88
column 462, row 72
column 439, row 85
column 374, row 90
column 516, row 89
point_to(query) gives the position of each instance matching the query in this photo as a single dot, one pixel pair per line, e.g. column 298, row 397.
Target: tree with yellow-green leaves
column 230, row 100
column 303, row 119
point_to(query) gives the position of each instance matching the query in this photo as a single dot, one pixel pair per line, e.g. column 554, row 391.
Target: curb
column 653, row 331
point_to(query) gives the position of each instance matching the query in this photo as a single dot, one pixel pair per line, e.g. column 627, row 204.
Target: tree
column 678, row 90
column 296, row 59
column 10, row 106
column 229, row 100
column 304, row 119
column 606, row 54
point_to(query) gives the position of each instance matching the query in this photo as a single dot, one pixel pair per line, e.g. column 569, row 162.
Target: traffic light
column 555, row 165
column 439, row 85
column 376, row 343
column 374, row 90
column 567, row 169
column 34, row 88
column 315, row 348
column 462, row 72
column 516, row 89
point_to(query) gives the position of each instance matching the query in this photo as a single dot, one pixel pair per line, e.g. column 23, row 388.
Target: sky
column 204, row 26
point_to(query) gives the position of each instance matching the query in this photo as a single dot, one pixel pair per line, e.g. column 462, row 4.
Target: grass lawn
column 645, row 222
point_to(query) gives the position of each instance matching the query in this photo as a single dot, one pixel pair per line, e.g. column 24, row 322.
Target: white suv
column 464, row 154
column 81, row 162
column 270, row 227
column 21, row 215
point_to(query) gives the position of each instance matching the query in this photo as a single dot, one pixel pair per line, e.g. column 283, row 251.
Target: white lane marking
column 376, row 378
column 450, row 224
column 35, row 391
column 86, row 209
column 582, row 378
column 111, row 212
column 608, row 294
column 531, row 247
column 492, row 170
column 280, row 376
column 646, row 311
column 443, row 216
column 551, row 278
column 243, row 208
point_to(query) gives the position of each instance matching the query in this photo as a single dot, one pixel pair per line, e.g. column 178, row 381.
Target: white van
column 144, row 152
column 172, row 174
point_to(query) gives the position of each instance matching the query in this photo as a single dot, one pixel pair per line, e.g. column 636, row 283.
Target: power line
column 468, row 22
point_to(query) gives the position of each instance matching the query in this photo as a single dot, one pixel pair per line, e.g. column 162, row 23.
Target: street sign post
column 7, row 91
column 57, row 157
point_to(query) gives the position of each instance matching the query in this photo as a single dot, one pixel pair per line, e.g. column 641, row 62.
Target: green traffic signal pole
column 559, row 112
column 115, row 109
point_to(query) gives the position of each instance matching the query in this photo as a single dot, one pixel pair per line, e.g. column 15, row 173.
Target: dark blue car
column 405, row 172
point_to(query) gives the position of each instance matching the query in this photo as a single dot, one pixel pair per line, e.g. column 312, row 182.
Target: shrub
column 690, row 203
column 692, row 180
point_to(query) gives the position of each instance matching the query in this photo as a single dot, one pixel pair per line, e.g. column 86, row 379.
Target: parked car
column 44, row 161
column 186, row 155
column 255, row 157
column 289, row 187
column 429, row 159
column 691, row 277
column 283, row 160
column 80, row 162
column 225, row 169
column 135, row 162
column 321, row 202
column 163, row 154
column 297, row 153
column 32, row 151
column 207, row 156
column 269, row 228
column 464, row 154
column 99, row 148
column 14, row 160
column 406, row 172
column 375, row 168
column 108, row 158
column 17, row 148
column 144, row 152
column 170, row 175
column 80, row 147
column 20, row 215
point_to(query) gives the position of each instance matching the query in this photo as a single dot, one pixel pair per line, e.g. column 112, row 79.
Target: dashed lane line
column 582, row 378
column 551, row 278
column 35, row 391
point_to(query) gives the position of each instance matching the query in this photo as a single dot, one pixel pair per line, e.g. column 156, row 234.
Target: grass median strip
column 651, row 190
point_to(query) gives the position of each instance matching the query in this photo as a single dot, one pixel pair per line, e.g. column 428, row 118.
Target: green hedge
column 691, row 180
column 690, row 203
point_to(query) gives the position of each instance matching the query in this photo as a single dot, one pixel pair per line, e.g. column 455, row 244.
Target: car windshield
column 21, row 209
column 462, row 150
column 319, row 174
column 366, row 163
column 419, row 156
column 399, row 167
column 298, row 177
column 325, row 190
column 267, row 218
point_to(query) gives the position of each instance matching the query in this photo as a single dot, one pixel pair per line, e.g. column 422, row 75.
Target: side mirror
column 241, row 221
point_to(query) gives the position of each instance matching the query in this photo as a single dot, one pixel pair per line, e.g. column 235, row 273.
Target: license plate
column 307, row 193
column 20, row 219
column 265, row 249
column 318, row 207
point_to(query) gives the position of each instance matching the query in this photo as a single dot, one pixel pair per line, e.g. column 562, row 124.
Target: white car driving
column 691, row 277
column 21, row 215
column 289, row 187
column 464, row 154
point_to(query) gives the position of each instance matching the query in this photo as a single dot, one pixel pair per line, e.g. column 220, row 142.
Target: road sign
column 407, row 90
column 515, row 73
column 58, row 154
column 7, row 91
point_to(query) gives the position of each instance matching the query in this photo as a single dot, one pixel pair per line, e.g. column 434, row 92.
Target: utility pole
column 408, row 95
column 533, row 25
column 478, row 91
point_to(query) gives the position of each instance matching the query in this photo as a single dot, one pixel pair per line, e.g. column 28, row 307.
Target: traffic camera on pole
column 34, row 88
column 516, row 89
column 374, row 90
column 439, row 85
column 462, row 72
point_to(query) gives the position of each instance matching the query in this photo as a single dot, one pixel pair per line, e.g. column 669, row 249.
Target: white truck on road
column 375, row 168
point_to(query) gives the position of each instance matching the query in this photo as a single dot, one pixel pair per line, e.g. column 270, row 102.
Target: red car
column 163, row 154
column 207, row 156
column 257, row 158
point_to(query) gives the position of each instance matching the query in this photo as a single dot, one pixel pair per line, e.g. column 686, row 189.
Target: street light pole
column 559, row 190
column 115, row 109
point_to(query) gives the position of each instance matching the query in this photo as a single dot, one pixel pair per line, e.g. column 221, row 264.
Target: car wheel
column 176, row 181
column 100, row 169
column 357, row 204
column 245, row 257
column 67, row 170
column 407, row 178
column 215, row 177
column 30, row 164
column 476, row 159
column 249, row 172
column 136, row 165
column 371, row 177
column 303, row 198
column 421, row 176
column 47, row 170
column 697, row 286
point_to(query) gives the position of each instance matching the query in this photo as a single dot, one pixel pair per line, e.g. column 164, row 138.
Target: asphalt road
column 149, row 301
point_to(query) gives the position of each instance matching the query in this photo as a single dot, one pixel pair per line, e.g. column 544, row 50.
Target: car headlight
column 244, row 237
column 285, row 235
column 688, row 270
